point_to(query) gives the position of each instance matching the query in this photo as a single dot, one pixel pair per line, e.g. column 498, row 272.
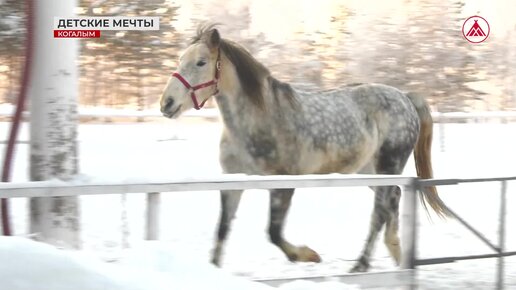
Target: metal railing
column 499, row 249
column 102, row 112
column 411, row 186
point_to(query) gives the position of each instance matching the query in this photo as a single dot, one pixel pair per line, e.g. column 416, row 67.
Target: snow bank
column 30, row 265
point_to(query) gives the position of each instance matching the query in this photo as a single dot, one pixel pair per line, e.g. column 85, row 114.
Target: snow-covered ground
column 332, row 221
column 154, row 266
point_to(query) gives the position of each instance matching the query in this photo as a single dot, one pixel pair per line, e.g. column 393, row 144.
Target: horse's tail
column 422, row 156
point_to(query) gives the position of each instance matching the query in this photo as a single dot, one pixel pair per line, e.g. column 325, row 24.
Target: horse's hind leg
column 378, row 219
column 229, row 200
column 391, row 239
column 280, row 200
column 391, row 160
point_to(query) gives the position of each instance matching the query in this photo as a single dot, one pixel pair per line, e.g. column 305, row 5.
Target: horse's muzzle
column 168, row 109
column 168, row 104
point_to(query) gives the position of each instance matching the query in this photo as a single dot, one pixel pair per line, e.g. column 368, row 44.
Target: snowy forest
column 414, row 45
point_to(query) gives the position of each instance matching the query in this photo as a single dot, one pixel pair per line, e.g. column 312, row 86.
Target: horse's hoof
column 360, row 267
column 215, row 261
column 305, row 254
column 216, row 254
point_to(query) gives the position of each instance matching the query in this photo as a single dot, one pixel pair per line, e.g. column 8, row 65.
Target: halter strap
column 210, row 83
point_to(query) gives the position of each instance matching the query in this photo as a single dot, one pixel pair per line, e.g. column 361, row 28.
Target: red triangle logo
column 476, row 30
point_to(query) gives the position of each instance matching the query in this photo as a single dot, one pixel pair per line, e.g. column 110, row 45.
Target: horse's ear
column 213, row 39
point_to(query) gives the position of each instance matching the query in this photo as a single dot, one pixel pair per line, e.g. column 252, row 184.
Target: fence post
column 501, row 236
column 409, row 224
column 409, row 229
column 442, row 139
column 152, row 222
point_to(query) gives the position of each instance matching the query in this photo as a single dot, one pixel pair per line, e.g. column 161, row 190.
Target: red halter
column 192, row 89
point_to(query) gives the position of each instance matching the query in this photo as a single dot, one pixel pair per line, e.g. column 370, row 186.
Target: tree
column 12, row 35
column 131, row 62
column 53, row 150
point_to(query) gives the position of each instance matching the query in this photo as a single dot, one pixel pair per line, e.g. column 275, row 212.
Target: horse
column 272, row 128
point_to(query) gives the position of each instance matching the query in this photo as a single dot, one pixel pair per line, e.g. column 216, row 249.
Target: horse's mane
column 251, row 73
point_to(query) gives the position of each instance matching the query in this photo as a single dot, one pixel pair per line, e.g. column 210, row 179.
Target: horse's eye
column 201, row 63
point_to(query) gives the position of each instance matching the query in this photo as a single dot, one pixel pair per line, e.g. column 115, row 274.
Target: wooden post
column 152, row 223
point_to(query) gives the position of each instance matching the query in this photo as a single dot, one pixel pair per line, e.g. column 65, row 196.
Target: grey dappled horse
column 271, row 128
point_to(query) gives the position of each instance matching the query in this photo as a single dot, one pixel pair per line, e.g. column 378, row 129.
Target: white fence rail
column 100, row 112
column 411, row 185
column 223, row 182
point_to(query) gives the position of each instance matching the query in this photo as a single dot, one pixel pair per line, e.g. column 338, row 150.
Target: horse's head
column 195, row 80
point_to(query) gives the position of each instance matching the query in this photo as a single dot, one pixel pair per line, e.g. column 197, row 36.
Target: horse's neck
column 240, row 116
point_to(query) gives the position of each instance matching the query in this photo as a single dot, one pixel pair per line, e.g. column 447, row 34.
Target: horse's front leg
column 280, row 200
column 229, row 201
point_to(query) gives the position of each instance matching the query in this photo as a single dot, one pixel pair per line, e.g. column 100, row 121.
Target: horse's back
column 359, row 107
column 333, row 131
column 350, row 125
column 394, row 114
